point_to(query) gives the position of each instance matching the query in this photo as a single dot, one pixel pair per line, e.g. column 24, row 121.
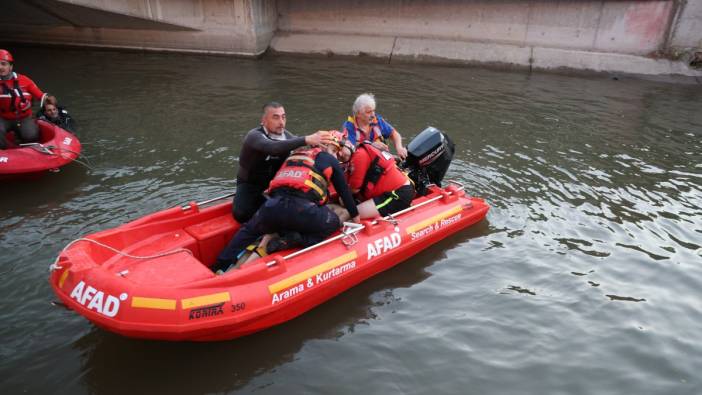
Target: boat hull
column 58, row 148
column 164, row 289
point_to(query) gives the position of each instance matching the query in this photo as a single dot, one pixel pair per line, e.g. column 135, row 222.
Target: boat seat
column 168, row 270
column 212, row 236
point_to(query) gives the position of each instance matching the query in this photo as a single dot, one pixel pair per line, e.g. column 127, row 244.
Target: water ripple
column 585, row 277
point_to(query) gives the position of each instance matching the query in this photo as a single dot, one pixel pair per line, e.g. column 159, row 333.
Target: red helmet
column 6, row 56
column 337, row 138
column 343, row 140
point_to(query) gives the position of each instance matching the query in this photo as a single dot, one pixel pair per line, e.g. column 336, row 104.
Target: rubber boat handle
column 208, row 201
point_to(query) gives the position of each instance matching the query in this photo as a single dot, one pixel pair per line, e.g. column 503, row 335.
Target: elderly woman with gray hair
column 366, row 125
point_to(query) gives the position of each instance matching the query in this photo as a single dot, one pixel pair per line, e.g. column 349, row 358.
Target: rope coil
column 56, row 266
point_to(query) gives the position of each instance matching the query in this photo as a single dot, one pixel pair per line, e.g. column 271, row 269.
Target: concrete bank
column 652, row 37
column 403, row 49
column 637, row 37
column 230, row 27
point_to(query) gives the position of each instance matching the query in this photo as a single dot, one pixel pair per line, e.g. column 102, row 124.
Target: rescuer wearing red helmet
column 375, row 179
column 297, row 207
column 16, row 94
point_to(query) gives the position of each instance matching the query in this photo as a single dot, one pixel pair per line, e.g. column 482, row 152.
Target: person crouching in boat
column 16, row 94
column 375, row 180
column 52, row 112
column 296, row 207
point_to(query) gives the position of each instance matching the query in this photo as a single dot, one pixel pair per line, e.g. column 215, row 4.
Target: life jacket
column 13, row 103
column 298, row 173
column 382, row 164
column 375, row 133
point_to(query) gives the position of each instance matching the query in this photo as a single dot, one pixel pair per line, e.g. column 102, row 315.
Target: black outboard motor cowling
column 428, row 157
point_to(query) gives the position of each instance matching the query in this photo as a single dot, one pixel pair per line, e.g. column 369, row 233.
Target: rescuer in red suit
column 16, row 95
column 375, row 180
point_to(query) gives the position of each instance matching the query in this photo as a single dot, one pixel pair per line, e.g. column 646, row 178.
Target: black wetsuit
column 64, row 120
column 259, row 160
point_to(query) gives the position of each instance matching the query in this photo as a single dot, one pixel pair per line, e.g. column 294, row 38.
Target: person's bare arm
column 399, row 148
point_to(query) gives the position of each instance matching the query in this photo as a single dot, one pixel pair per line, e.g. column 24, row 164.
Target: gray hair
column 269, row 105
column 363, row 100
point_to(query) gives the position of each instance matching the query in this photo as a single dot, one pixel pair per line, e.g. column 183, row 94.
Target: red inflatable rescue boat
column 57, row 147
column 150, row 278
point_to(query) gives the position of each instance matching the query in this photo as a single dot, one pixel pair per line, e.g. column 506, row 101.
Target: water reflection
column 50, row 190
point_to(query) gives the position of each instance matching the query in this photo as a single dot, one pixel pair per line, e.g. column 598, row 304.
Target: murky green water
column 586, row 277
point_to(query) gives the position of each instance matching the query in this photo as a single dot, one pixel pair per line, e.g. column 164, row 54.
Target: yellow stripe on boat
column 63, row 278
column 434, row 219
column 153, row 303
column 205, row 300
column 300, row 277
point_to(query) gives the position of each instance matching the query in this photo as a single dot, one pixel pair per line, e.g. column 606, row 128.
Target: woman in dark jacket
column 52, row 112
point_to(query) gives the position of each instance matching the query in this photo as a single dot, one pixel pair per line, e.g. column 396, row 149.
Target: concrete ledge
column 236, row 27
column 466, row 52
column 136, row 48
column 552, row 58
column 462, row 51
column 211, row 42
column 336, row 44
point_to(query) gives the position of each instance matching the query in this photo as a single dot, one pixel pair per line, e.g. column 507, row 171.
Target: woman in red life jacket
column 16, row 94
column 375, row 180
column 366, row 125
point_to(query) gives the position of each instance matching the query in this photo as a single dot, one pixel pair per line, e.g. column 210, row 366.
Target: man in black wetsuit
column 296, row 207
column 263, row 152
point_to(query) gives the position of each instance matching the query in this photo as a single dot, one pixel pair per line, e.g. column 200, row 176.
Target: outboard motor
column 428, row 157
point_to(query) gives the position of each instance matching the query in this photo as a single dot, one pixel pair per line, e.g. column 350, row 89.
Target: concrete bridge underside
column 644, row 37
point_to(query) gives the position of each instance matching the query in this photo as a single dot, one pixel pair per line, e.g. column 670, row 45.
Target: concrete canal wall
column 623, row 36
column 236, row 27
column 644, row 37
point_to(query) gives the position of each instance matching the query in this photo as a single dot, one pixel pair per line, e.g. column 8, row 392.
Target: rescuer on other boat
column 296, row 208
column 16, row 97
column 366, row 125
column 263, row 152
column 375, row 180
